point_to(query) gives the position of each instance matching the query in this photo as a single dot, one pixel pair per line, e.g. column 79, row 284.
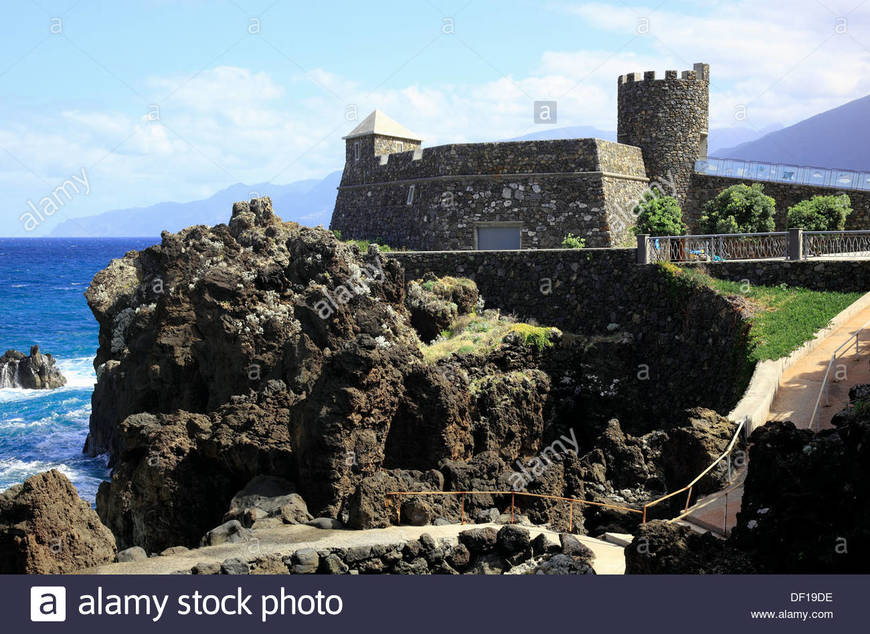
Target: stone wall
column 691, row 342
column 846, row 276
column 705, row 188
column 668, row 119
column 550, row 188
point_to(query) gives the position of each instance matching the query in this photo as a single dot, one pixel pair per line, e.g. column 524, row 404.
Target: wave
column 79, row 373
column 19, row 470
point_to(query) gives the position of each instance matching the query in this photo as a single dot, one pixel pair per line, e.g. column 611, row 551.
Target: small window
column 356, row 151
column 400, row 146
column 411, row 194
column 499, row 238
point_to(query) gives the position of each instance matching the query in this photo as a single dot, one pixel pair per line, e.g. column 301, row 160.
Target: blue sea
column 42, row 285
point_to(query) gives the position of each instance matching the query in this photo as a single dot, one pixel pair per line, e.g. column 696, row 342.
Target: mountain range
column 835, row 138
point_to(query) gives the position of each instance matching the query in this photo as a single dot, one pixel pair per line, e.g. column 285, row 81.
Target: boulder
column 132, row 554
column 268, row 496
column 35, row 372
column 813, row 488
column 573, row 547
column 231, row 532
column 479, row 540
column 333, row 565
column 512, row 539
column 46, row 528
column 545, row 544
column 416, row 512
column 487, row 564
column 234, row 566
column 562, row 564
column 305, row 561
column 662, row 548
column 694, row 446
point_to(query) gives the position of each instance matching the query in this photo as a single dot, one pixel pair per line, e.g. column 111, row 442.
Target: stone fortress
column 531, row 194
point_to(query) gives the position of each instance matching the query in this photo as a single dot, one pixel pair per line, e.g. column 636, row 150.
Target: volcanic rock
column 34, row 372
column 46, row 528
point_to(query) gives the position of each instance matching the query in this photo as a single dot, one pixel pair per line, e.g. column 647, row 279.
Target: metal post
column 570, row 517
column 643, row 248
column 795, row 244
column 827, row 379
column 462, row 510
column 725, row 518
column 512, row 508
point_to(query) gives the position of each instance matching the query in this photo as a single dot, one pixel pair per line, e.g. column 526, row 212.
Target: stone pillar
column 796, row 244
column 643, row 248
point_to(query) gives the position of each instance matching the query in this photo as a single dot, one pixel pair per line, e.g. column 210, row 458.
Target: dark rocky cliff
column 263, row 348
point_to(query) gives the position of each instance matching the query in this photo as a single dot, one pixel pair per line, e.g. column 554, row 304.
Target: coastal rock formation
column 258, row 348
column 46, row 528
column 265, row 356
column 662, row 548
column 804, row 507
column 806, row 500
column 34, row 372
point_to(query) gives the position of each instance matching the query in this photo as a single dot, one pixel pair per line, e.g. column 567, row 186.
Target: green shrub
column 820, row 213
column 659, row 215
column 739, row 209
column 573, row 242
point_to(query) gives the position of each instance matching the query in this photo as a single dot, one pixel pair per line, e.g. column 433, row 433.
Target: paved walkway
column 284, row 540
column 795, row 401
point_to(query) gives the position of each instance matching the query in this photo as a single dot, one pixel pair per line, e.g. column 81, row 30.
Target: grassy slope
column 483, row 333
column 787, row 317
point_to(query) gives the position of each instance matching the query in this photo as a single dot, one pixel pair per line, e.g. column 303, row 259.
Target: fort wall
column 705, row 187
column 546, row 188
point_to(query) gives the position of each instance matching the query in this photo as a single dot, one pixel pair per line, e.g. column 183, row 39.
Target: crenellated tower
column 668, row 120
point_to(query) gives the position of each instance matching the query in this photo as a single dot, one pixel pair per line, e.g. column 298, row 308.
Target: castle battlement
column 700, row 72
column 492, row 159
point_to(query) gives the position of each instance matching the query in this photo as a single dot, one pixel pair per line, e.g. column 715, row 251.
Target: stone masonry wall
column 691, row 340
column 705, row 188
column 846, row 276
column 668, row 119
column 550, row 188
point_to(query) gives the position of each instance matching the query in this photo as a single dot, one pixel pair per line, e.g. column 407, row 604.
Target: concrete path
column 795, row 401
column 285, row 540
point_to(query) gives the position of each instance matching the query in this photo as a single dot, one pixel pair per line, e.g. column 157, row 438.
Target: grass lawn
column 787, row 316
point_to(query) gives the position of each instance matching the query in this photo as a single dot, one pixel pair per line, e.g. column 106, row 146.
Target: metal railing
column 512, row 494
column 718, row 247
column 689, row 487
column 782, row 173
column 572, row 501
column 836, row 243
column 825, row 389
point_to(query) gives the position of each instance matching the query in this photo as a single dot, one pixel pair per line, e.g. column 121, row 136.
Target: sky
column 146, row 101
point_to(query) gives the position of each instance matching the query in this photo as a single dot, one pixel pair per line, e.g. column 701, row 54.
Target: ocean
column 42, row 285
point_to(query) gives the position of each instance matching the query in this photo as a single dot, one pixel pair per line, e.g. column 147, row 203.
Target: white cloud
column 229, row 124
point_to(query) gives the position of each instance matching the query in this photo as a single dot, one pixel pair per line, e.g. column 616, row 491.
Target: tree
column 820, row 213
column 739, row 209
column 659, row 215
